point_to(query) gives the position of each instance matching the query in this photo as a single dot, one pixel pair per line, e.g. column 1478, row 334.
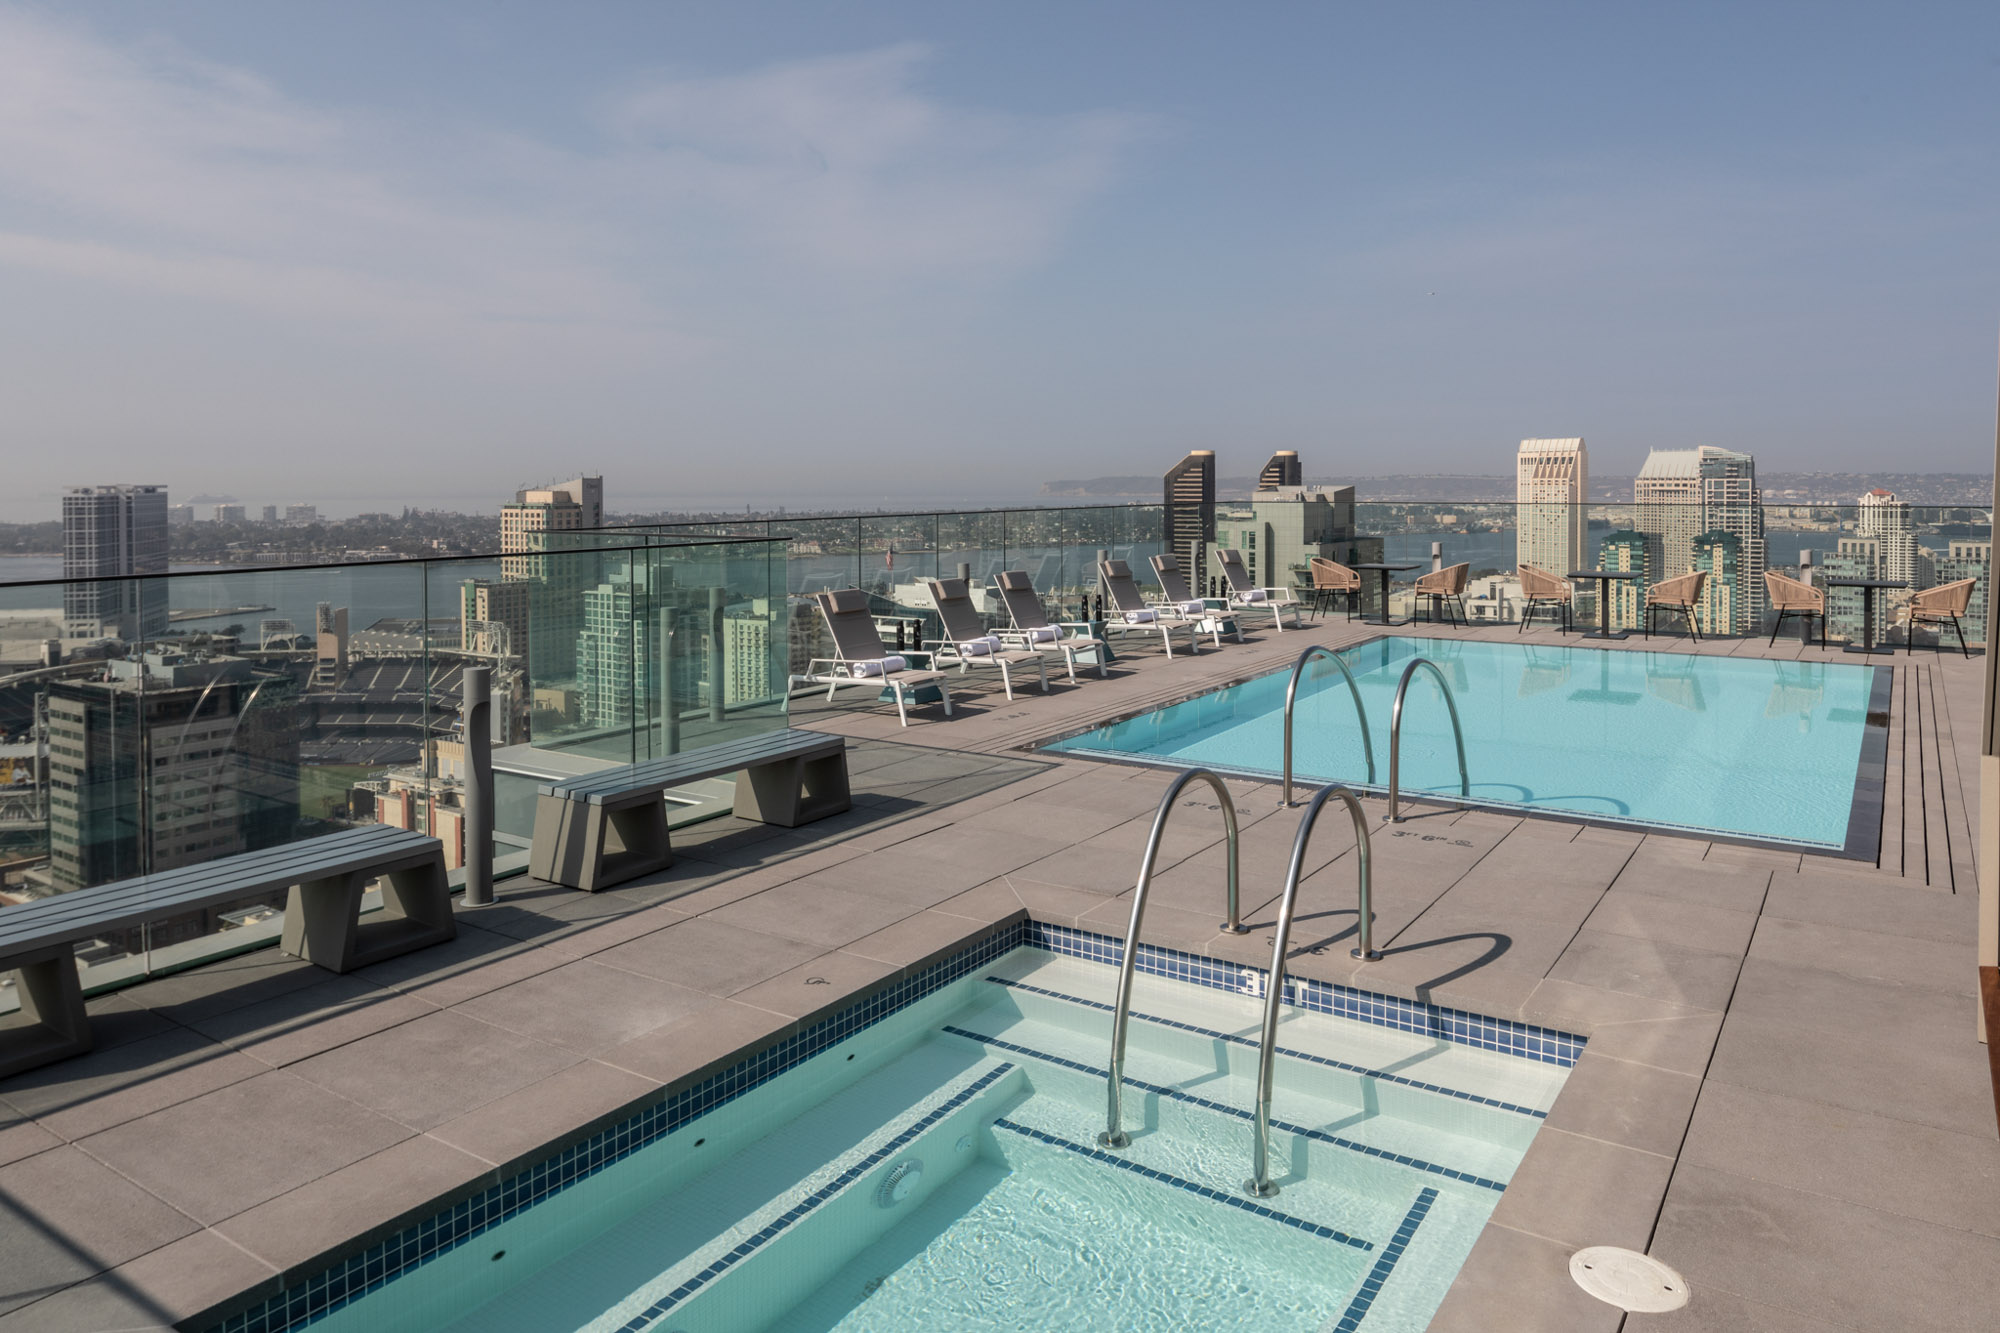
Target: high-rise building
column 1284, row 469
column 301, row 514
column 227, row 513
column 532, row 537
column 168, row 763
column 1720, row 556
column 1551, row 483
column 1886, row 518
column 180, row 516
column 1625, row 598
column 1682, row 494
column 1189, row 518
column 270, row 513
column 109, row 534
column 1966, row 559
column 493, row 619
column 1282, row 528
column 746, row 658
column 329, row 646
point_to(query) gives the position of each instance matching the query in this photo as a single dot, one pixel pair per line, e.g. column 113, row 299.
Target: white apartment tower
column 1885, row 517
column 1683, row 494
column 1552, row 479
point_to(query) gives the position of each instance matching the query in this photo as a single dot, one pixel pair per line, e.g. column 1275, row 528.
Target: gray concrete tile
column 65, row 1216
column 1582, row 1191
column 983, row 851
column 78, row 1097
column 1634, row 1105
column 1516, row 1283
column 312, row 1019
column 1683, row 1043
column 21, row 1137
column 1897, row 959
column 1094, row 869
column 1888, row 909
column 1169, row 927
column 1449, row 940
column 1660, row 971
column 992, row 901
column 116, row 1019
column 1720, row 1312
column 1894, row 1165
column 586, row 1007
column 156, row 1290
column 903, row 876
column 814, row 913
column 363, row 1200
column 240, row 1145
column 568, row 1104
column 1698, row 883
column 821, row 986
column 1691, row 925
column 1825, row 1000
column 708, row 955
column 1942, row 1084
column 918, row 940
column 691, row 1049
column 1825, row 1258
column 1055, row 903
column 475, row 962
column 225, row 984
column 434, row 1069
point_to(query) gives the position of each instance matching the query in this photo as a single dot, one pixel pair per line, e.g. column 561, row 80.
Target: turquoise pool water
column 1747, row 747
column 940, row 1171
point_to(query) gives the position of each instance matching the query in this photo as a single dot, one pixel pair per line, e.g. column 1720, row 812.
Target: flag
column 889, row 558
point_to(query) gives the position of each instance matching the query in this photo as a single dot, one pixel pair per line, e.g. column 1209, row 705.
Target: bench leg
column 320, row 920
column 624, row 842
column 794, row 791
column 54, row 1025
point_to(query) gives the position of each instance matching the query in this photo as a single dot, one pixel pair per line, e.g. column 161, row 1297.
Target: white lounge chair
column 1033, row 628
column 968, row 643
column 1129, row 614
column 1246, row 595
column 863, row 658
column 1181, row 597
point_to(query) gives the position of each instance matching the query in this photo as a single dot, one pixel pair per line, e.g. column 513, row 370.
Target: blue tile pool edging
column 349, row 1279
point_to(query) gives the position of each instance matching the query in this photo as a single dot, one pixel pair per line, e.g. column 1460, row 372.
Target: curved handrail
column 1291, row 694
column 1259, row 1185
column 1114, row 1135
column 1396, row 733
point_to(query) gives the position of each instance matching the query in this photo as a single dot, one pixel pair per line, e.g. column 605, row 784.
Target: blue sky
column 875, row 253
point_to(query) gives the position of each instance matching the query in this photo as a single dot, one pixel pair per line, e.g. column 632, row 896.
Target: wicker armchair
column 1790, row 597
column 1445, row 590
column 1541, row 589
column 1330, row 577
column 1933, row 608
column 1680, row 594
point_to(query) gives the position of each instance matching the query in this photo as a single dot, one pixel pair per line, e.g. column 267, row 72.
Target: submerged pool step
column 1374, row 1110
column 751, row 1194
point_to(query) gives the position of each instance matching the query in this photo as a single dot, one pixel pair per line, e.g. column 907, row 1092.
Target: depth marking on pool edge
column 729, row 1259
column 1330, row 1062
column 1201, row 1191
column 1371, row 1286
column 1176, row 1094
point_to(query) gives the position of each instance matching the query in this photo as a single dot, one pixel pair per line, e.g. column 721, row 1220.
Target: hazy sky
column 368, row 253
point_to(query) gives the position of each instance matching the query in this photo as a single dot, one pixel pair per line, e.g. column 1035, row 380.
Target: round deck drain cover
column 1627, row 1279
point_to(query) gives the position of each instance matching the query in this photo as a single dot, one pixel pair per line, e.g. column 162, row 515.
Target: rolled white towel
column 888, row 666
column 1145, row 617
column 1046, row 634
column 984, row 647
column 1253, row 595
column 1193, row 608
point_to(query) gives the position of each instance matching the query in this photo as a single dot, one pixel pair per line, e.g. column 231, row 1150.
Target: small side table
column 1385, row 571
column 1868, row 587
column 1604, row 578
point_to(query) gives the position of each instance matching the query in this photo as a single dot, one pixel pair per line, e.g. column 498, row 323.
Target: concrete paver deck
column 1781, row 1095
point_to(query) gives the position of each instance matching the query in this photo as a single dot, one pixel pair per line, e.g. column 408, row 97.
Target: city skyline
column 302, row 250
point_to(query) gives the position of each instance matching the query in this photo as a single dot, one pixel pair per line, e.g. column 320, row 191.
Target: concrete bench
column 606, row 828
column 326, row 875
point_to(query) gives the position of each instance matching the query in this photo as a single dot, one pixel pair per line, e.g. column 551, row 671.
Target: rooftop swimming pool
column 1788, row 752
column 929, row 1159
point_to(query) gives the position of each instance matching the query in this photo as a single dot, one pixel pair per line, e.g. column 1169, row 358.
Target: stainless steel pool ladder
column 1260, row 1185
column 1360, row 713
column 1396, row 735
column 1114, row 1135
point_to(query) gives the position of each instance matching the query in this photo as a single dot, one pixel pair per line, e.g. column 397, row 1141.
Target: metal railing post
column 1259, row 1185
column 1291, row 696
column 1396, row 735
column 475, row 684
column 1114, row 1135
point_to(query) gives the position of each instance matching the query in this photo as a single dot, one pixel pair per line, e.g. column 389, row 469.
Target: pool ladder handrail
column 1291, row 695
column 1396, row 735
column 1260, row 1184
column 1114, row 1135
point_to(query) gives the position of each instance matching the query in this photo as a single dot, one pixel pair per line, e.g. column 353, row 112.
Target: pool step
column 634, row 1259
column 1410, row 1059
